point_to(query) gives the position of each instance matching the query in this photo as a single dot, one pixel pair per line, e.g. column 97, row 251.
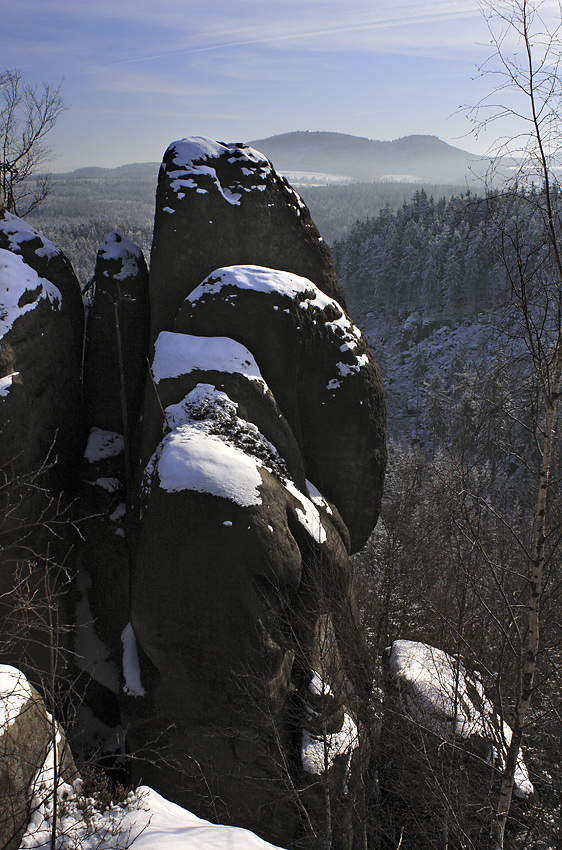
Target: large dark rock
column 262, row 451
column 47, row 259
column 320, row 370
column 223, row 204
column 115, row 367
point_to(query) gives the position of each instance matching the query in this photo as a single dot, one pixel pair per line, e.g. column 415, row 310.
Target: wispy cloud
column 130, row 82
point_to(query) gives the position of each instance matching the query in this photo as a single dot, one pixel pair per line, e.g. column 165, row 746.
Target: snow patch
column 6, row 383
column 103, row 444
column 145, row 821
column 15, row 692
column 308, row 514
column 21, row 289
column 117, row 247
column 318, row 752
column 131, row 669
column 178, row 354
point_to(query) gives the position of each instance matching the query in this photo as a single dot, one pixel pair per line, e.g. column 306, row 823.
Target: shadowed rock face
column 117, row 336
column 41, row 327
column 261, row 464
column 223, row 204
column 41, row 435
column 115, row 369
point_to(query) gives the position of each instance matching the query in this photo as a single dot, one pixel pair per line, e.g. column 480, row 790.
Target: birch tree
column 529, row 90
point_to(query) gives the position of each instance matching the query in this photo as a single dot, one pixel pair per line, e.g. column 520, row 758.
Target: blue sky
column 141, row 73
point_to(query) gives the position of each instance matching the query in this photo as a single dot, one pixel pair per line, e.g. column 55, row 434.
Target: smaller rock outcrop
column 117, row 336
column 440, row 730
column 41, row 326
column 27, row 742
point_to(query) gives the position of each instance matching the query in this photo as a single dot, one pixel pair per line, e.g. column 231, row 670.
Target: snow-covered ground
column 146, row 821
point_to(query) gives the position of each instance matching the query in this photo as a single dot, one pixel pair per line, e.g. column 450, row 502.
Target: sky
column 138, row 74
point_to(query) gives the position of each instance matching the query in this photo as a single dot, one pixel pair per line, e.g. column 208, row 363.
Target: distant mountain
column 315, row 158
column 132, row 171
column 411, row 158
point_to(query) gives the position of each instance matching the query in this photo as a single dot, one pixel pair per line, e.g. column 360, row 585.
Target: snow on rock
column 6, row 383
column 145, row 820
column 21, row 289
column 305, row 294
column 117, row 247
column 131, row 670
column 190, row 459
column 103, row 444
column 90, row 653
column 210, row 449
column 19, row 231
column 191, row 168
column 308, row 514
column 178, row 354
column 321, row 747
column 15, row 691
column 444, row 698
column 319, row 751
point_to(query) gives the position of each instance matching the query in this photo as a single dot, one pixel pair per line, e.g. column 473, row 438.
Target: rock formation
column 115, row 366
column 261, row 463
column 41, row 437
column 41, row 330
column 221, row 493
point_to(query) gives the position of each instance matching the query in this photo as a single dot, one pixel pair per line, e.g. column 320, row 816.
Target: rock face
column 261, row 464
column 41, row 328
column 115, row 369
column 220, row 205
column 117, row 336
column 26, row 739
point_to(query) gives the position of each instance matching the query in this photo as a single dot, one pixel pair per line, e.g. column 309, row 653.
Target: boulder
column 320, row 369
column 27, row 742
column 221, row 204
column 47, row 259
column 439, row 730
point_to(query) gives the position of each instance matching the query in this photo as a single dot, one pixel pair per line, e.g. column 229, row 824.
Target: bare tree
column 529, row 91
column 27, row 115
